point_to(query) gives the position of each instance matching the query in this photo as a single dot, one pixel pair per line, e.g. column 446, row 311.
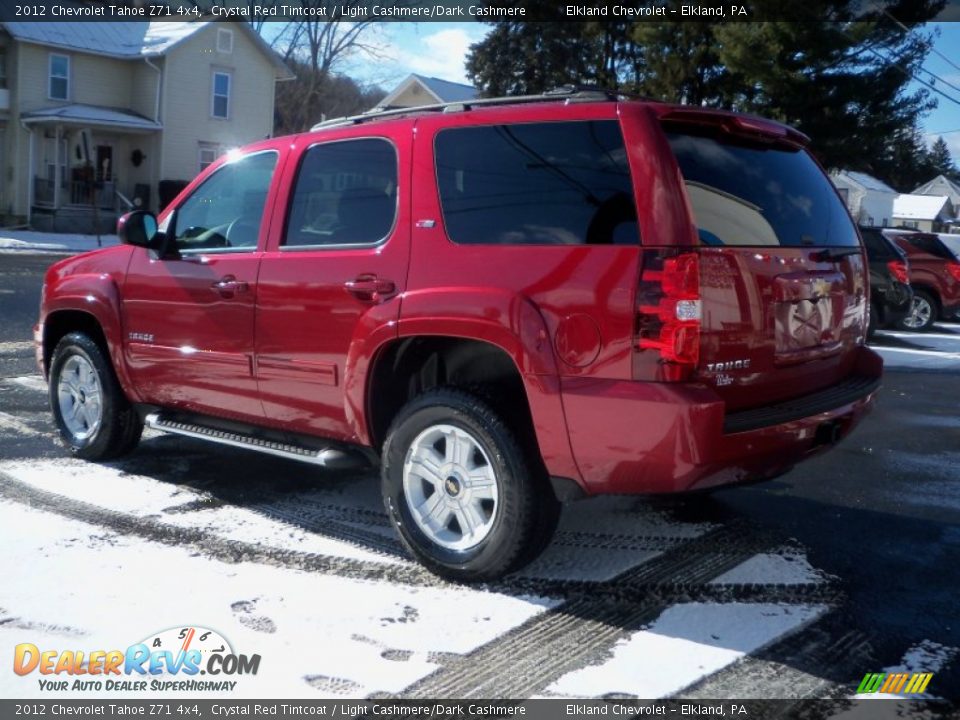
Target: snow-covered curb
column 68, row 243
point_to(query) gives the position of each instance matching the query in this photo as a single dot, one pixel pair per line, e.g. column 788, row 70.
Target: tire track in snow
column 526, row 660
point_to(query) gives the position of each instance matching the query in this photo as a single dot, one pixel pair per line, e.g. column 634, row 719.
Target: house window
column 3, row 70
column 208, row 154
column 224, row 40
column 220, row 102
column 59, row 86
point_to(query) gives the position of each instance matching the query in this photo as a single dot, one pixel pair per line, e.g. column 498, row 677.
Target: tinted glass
column 877, row 247
column 953, row 244
column 930, row 244
column 759, row 195
column 345, row 194
column 226, row 210
column 538, row 183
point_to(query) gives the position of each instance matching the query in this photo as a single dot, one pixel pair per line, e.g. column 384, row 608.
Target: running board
column 332, row 458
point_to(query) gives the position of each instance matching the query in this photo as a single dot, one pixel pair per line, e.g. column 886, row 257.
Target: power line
column 902, row 69
column 930, row 45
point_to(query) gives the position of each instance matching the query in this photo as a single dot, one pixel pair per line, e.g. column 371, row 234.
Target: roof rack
column 566, row 94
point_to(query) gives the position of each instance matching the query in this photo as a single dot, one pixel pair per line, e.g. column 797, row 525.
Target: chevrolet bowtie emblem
column 821, row 288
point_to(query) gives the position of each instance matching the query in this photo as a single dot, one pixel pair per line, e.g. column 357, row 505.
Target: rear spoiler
column 746, row 126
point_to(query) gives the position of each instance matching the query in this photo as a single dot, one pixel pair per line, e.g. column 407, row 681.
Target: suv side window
column 557, row 183
column 345, row 194
column 877, row 248
column 225, row 212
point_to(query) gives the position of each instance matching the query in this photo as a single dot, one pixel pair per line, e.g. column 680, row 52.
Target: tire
column 923, row 312
column 872, row 319
column 510, row 513
column 80, row 374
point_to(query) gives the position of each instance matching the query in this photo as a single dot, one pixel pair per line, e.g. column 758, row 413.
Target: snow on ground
column 686, row 643
column 143, row 496
column 31, row 241
column 789, row 567
column 93, row 590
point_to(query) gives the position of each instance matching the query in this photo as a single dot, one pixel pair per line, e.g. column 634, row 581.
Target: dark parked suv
column 890, row 292
column 934, row 275
column 503, row 304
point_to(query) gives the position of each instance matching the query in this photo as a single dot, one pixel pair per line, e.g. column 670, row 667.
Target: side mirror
column 138, row 228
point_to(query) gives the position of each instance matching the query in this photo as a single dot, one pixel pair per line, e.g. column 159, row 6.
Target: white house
column 94, row 115
column 870, row 200
column 929, row 213
column 419, row 90
column 941, row 185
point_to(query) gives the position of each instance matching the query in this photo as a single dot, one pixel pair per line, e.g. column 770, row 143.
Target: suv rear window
column 929, row 244
column 751, row 194
column 561, row 183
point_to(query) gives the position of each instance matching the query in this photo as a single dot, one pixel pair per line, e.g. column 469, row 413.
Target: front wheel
column 94, row 417
column 923, row 312
column 467, row 499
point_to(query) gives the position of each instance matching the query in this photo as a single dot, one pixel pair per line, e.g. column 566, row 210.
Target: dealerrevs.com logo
column 171, row 660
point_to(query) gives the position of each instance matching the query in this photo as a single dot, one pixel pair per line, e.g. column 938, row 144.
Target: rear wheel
column 467, row 500
column 94, row 417
column 923, row 312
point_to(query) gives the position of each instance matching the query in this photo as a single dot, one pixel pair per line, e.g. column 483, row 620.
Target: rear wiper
column 832, row 254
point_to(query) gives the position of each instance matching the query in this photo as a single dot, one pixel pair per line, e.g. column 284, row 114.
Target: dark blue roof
column 448, row 91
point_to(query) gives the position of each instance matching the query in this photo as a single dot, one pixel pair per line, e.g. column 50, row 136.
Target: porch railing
column 78, row 193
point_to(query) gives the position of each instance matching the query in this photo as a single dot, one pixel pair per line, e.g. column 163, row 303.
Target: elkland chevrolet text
column 506, row 304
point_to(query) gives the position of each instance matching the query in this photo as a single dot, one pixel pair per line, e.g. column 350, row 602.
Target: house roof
column 941, row 180
column 92, row 115
column 919, row 207
column 116, row 39
column 867, row 182
column 127, row 40
column 441, row 90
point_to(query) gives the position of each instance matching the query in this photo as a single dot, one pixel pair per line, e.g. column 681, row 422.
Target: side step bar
column 329, row 457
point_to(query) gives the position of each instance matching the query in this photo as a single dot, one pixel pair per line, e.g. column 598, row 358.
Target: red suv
column 934, row 275
column 505, row 304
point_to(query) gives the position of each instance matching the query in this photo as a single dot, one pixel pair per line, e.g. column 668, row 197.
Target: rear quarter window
column 560, row 183
column 752, row 194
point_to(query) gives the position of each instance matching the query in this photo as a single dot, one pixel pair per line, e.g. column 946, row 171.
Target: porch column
column 56, row 166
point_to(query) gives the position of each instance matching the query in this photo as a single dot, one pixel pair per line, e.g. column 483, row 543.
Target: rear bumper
column 633, row 437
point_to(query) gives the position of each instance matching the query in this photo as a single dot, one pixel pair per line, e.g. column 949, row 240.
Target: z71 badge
column 140, row 337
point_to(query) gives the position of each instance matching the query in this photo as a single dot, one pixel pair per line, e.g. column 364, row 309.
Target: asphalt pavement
column 788, row 589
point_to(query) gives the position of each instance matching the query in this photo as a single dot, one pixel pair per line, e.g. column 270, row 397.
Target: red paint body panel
column 928, row 271
column 296, row 350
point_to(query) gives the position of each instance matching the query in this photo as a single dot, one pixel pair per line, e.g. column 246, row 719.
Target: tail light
column 954, row 270
column 668, row 317
column 898, row 269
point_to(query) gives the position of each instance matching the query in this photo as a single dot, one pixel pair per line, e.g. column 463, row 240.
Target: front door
column 331, row 279
column 189, row 317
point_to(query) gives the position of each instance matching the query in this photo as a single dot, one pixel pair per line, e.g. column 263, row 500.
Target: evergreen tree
column 942, row 160
column 838, row 74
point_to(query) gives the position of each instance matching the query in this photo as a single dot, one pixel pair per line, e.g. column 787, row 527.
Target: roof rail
column 565, row 93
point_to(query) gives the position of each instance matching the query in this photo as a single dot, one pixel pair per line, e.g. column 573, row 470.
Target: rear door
column 783, row 273
column 332, row 275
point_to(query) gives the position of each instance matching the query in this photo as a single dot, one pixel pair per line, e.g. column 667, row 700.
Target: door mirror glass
column 138, row 228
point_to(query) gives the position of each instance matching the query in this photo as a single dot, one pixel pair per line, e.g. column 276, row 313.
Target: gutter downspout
column 157, row 163
column 29, row 172
column 156, row 104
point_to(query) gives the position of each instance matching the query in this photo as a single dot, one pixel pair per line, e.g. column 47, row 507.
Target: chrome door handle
column 370, row 288
column 228, row 285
